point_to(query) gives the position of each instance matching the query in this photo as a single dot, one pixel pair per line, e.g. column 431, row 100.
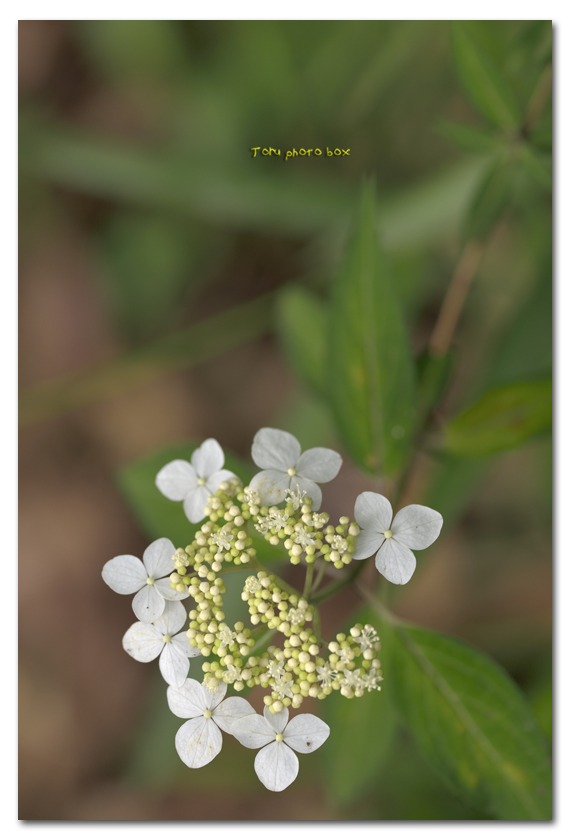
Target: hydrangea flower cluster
column 277, row 645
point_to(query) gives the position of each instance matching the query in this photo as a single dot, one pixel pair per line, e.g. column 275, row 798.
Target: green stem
column 329, row 591
column 377, row 604
column 262, row 642
column 308, row 581
column 538, row 100
column 319, row 577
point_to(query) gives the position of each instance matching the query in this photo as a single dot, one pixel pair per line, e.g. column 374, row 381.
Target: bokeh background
column 155, row 258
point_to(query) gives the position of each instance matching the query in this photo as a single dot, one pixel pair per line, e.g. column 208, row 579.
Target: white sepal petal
column 212, row 697
column 195, row 504
column 215, row 480
column 253, row 731
column 366, row 544
column 181, row 641
column 174, row 664
column 274, row 449
column 187, row 700
column 417, row 526
column 319, row 464
column 172, row 619
column 208, row 458
column 157, row 558
column 125, row 574
column 306, row 733
column 148, row 604
column 396, row 562
column 276, row 766
column 227, row 714
column 176, row 479
column 373, row 512
column 166, row 590
column 143, row 642
column 198, row 741
column 277, row 720
column 271, row 486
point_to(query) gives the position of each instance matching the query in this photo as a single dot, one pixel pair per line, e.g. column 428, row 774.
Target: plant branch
column 455, row 298
column 539, row 98
column 205, row 340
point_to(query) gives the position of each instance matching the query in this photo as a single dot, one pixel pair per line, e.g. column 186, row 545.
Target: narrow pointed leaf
column 471, row 722
column 494, row 198
column 301, row 323
column 370, row 371
column 363, row 731
column 482, row 79
column 503, row 418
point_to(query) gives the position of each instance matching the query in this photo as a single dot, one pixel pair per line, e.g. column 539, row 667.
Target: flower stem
column 455, row 298
column 319, row 577
column 330, row 590
column 262, row 642
column 376, row 604
column 308, row 581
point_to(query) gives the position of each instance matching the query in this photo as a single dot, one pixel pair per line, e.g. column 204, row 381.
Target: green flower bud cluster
column 268, row 603
column 305, row 665
column 299, row 669
column 305, row 534
column 352, row 666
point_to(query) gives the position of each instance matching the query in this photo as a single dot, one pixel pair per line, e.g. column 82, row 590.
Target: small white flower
column 415, row 526
column 193, row 483
column 274, row 521
column 199, row 740
column 223, row 538
column 296, row 615
column 144, row 642
column 252, row 585
column 285, row 467
column 126, row 574
column 276, row 764
column 367, row 638
column 326, row 674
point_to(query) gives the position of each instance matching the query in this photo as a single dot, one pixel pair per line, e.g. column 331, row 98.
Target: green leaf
column 482, row 79
column 125, row 50
column 222, row 193
column 471, row 138
column 538, row 164
column 302, row 325
column 149, row 263
column 472, row 722
column 363, row 731
column 503, row 418
column 370, row 369
column 492, row 199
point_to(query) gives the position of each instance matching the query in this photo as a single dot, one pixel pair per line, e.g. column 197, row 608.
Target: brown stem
column 455, row 298
column 538, row 100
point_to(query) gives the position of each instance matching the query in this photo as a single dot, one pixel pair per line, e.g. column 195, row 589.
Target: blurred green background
column 173, row 288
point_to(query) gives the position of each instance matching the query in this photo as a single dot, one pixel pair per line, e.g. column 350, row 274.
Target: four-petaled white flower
column 144, row 642
column 285, row 467
column 276, row 764
column 415, row 526
column 126, row 574
column 193, row 483
column 199, row 740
